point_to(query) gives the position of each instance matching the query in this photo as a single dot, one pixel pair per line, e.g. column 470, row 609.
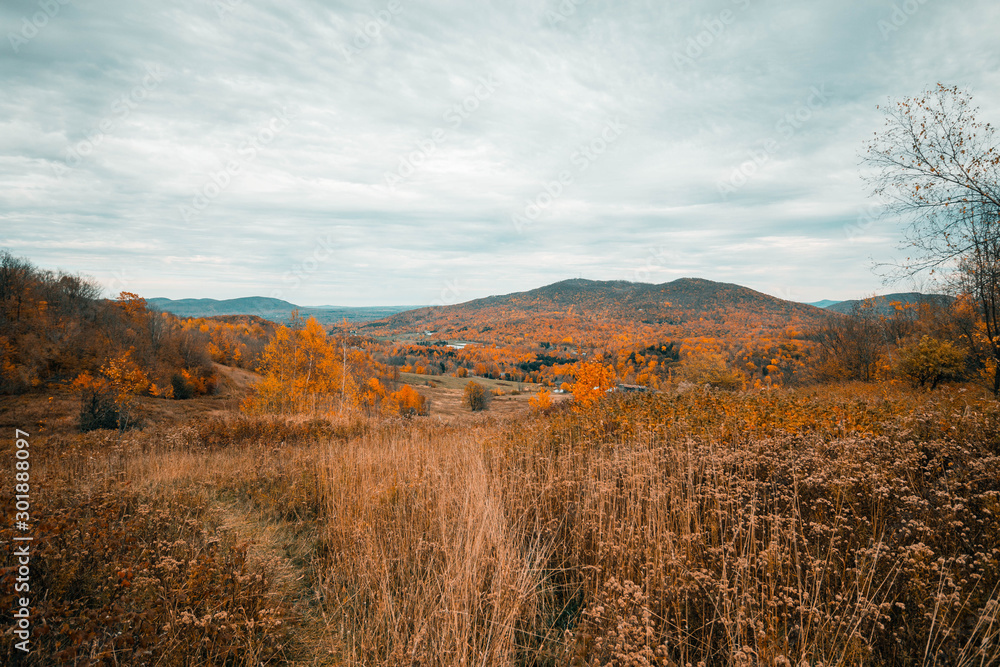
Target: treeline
column 56, row 329
column 925, row 344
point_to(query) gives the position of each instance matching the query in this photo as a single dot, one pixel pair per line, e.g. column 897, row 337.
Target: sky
column 399, row 152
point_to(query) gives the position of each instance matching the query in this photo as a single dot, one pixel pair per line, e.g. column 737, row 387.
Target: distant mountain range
column 825, row 303
column 270, row 309
column 884, row 301
column 598, row 309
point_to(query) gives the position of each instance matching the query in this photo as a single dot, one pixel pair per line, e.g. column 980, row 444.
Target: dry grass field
column 445, row 394
column 843, row 525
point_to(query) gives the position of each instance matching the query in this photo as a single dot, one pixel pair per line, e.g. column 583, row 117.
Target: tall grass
column 672, row 531
column 839, row 526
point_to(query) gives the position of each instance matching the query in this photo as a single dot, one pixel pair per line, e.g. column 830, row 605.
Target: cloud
column 120, row 119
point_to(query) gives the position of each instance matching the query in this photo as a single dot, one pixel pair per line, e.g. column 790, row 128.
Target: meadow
column 842, row 524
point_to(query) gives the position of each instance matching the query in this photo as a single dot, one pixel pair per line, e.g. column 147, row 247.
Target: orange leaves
column 133, row 304
column 109, row 397
column 124, row 377
column 541, row 401
column 593, row 380
column 301, row 373
column 373, row 397
column 85, row 381
column 409, row 401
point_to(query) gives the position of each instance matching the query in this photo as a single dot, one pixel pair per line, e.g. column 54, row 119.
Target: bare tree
column 853, row 345
column 939, row 167
column 15, row 281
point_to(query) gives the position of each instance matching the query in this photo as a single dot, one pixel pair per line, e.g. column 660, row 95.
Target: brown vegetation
column 838, row 526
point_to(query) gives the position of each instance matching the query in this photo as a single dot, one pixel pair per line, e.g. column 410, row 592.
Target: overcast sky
column 417, row 152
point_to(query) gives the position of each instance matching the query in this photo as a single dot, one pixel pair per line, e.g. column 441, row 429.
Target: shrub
column 476, row 397
column 98, row 410
column 930, row 362
column 711, row 368
column 541, row 402
column 410, row 401
column 182, row 388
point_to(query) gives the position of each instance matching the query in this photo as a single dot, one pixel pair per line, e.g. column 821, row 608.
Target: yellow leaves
column 301, row 373
column 409, row 401
column 476, row 397
column 541, row 401
column 373, row 397
column 711, row 368
column 930, row 361
column 124, row 377
column 593, row 380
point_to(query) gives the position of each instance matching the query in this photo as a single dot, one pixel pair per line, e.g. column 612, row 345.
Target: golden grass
column 853, row 525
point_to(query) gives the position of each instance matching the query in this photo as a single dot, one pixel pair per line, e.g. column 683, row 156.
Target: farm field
column 445, row 393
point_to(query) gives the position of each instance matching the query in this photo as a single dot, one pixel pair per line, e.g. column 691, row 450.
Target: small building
column 631, row 388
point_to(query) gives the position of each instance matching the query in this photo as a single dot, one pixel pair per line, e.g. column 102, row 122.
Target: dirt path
column 287, row 555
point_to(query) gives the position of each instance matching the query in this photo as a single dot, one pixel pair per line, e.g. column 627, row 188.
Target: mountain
column 602, row 310
column 825, row 303
column 251, row 305
column 270, row 309
column 884, row 302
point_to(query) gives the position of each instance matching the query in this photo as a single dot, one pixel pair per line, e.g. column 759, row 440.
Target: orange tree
column 593, row 380
column 409, row 401
column 301, row 373
column 108, row 400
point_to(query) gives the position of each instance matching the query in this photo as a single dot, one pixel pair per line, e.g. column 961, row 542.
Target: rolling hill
column 270, row 309
column 884, row 302
column 600, row 310
column 825, row 303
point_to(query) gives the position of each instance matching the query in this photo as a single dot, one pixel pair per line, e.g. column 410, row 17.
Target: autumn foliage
column 541, row 401
column 300, row 373
column 752, row 522
column 476, row 397
column 408, row 401
column 930, row 361
column 593, row 380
